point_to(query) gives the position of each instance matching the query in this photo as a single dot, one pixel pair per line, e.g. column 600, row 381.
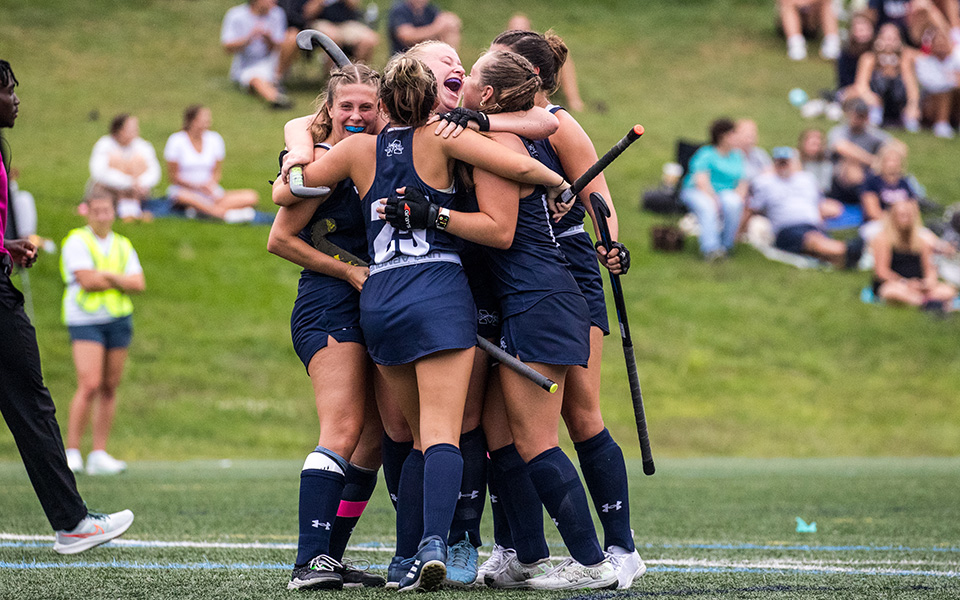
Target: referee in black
column 25, row 402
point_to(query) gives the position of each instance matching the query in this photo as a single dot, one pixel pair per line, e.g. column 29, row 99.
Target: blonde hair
column 322, row 123
column 514, row 81
column 886, row 150
column 908, row 240
column 408, row 91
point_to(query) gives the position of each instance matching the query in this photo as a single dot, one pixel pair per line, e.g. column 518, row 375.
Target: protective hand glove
column 411, row 210
column 462, row 117
column 622, row 253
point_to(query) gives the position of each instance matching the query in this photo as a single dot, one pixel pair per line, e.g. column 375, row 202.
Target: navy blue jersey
column 548, row 156
column 395, row 170
column 340, row 219
column 533, row 267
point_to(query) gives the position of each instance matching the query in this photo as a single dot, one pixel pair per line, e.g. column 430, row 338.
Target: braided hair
column 322, row 123
column 514, row 81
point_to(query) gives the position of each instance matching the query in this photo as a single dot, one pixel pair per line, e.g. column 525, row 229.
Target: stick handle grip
column 596, row 168
column 298, row 189
column 512, row 362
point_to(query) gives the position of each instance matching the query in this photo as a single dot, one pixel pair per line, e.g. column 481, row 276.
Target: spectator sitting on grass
column 126, row 165
column 939, row 76
column 904, row 272
column 715, row 188
column 790, row 199
column 340, row 20
column 887, row 80
column 859, row 41
column 756, row 161
column 415, row 21
column 804, row 17
column 194, row 157
column 254, row 34
column 812, row 149
column 853, row 147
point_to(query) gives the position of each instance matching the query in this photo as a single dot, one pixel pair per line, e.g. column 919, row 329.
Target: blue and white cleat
column 429, row 568
column 462, row 564
column 397, row 569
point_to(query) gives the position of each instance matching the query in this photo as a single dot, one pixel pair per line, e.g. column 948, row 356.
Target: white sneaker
column 830, row 47
column 513, row 574
column 571, row 575
column 74, row 460
column 498, row 558
column 833, row 111
column 239, row 215
column 942, row 129
column 629, row 565
column 93, row 530
column 796, row 47
column 813, row 108
column 101, row 463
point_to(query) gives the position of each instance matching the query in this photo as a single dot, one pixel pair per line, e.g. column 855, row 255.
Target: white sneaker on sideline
column 942, row 129
column 492, row 565
column 74, row 460
column 101, row 463
column 830, row 47
column 796, row 47
column 93, row 530
column 239, row 215
column 571, row 575
column 516, row 575
column 629, row 565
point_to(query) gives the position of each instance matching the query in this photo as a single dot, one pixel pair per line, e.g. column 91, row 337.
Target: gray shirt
column 790, row 201
column 870, row 139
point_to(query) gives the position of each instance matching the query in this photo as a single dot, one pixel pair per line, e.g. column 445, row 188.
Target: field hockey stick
column 318, row 235
column 307, row 37
column 602, row 212
column 596, row 168
column 305, row 40
column 513, row 363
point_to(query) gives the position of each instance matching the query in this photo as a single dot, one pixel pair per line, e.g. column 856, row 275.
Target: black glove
column 462, row 117
column 623, row 253
column 411, row 211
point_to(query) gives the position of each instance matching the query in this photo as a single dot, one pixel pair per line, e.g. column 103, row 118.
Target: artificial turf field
column 707, row 528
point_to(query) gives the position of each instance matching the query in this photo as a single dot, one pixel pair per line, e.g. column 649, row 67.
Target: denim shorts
column 114, row 334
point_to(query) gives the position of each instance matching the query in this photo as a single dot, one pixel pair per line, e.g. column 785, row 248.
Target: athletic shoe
column 74, row 460
column 462, row 564
column 397, row 569
column 513, row 574
column 321, row 573
column 942, row 129
column 796, row 47
column 240, row 215
column 101, row 463
column 429, row 567
column 498, row 557
column 93, row 530
column 354, row 577
column 571, row 575
column 830, row 47
column 629, row 565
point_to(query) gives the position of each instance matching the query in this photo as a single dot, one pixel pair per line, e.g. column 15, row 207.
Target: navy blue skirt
column 585, row 268
column 410, row 312
column 554, row 331
column 325, row 307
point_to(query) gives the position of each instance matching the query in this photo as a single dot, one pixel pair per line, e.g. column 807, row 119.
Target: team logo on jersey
column 494, row 499
column 472, row 495
column 317, row 525
column 487, row 317
column 609, row 507
column 395, row 147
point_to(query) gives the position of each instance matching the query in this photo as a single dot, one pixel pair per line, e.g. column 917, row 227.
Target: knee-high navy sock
column 561, row 492
column 410, row 505
column 466, row 517
column 321, row 485
column 521, row 504
column 501, row 528
column 601, row 462
column 359, row 484
column 442, row 473
column 392, row 455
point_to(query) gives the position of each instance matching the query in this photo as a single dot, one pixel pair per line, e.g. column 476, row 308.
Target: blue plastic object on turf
column 804, row 527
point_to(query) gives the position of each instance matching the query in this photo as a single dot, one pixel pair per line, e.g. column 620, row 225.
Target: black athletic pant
column 29, row 412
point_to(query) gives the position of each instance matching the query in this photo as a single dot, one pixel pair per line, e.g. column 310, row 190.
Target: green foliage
column 745, row 358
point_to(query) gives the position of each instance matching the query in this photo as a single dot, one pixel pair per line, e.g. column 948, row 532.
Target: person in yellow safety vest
column 100, row 269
